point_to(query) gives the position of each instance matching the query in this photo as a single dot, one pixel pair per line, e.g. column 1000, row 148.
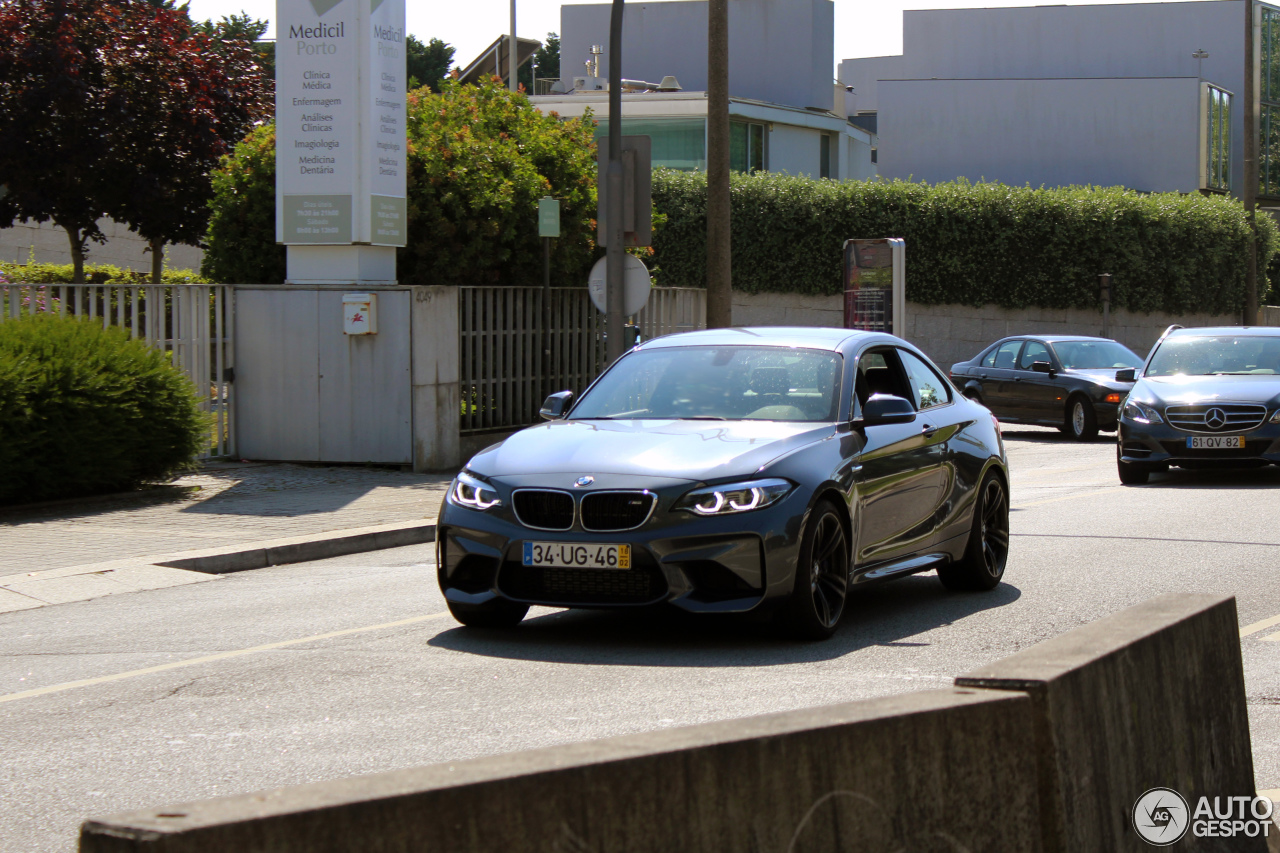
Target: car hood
column 688, row 450
column 1190, row 390
column 1099, row 375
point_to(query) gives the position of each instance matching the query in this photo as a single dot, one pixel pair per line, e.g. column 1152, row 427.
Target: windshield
column 1095, row 355
column 1215, row 355
column 718, row 383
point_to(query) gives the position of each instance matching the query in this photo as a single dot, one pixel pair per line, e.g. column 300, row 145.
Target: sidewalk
column 223, row 506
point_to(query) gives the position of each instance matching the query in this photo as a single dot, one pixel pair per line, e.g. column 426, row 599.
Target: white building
column 787, row 114
column 1144, row 95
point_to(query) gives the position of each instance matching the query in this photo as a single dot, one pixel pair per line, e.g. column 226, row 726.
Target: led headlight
column 734, row 497
column 472, row 493
column 1141, row 412
column 1275, row 419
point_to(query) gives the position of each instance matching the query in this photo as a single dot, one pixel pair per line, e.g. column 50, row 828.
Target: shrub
column 973, row 244
column 241, row 243
column 86, row 410
column 40, row 273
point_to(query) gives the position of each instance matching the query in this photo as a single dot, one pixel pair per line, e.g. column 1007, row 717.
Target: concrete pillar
column 437, row 397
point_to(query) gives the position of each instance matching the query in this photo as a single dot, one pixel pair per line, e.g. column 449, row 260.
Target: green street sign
column 548, row 217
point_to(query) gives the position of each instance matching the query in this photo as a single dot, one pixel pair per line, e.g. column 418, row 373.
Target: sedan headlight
column 472, row 493
column 734, row 497
column 1275, row 419
column 1141, row 412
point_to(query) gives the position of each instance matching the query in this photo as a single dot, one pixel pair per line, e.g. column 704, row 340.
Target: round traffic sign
column 635, row 285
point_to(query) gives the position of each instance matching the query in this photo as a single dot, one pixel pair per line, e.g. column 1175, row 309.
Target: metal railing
column 505, row 374
column 191, row 322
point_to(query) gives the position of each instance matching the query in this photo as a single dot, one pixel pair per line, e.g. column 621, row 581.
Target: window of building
column 746, row 147
column 1217, row 138
column 824, row 156
column 678, row 143
column 1269, row 106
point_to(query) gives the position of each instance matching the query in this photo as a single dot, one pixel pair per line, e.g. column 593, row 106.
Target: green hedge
column 85, row 410
column 37, row 273
column 972, row 244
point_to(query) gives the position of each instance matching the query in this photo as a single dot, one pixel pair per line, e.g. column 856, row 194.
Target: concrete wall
column 794, row 150
column 1153, row 40
column 47, row 243
column 1046, row 750
column 1138, row 133
column 779, row 50
column 951, row 333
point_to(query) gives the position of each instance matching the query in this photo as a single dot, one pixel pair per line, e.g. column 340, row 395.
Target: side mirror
column 1127, row 374
column 887, row 409
column 556, row 405
column 1042, row 367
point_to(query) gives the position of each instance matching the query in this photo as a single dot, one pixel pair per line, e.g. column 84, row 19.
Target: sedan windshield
column 1217, row 354
column 1095, row 355
column 718, row 383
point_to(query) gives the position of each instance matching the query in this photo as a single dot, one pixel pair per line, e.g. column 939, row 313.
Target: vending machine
column 875, row 296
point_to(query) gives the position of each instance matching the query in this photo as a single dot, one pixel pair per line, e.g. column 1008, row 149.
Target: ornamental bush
column 42, row 273
column 86, row 410
column 973, row 244
column 479, row 158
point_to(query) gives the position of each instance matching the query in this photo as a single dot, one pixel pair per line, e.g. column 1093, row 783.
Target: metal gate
column 191, row 322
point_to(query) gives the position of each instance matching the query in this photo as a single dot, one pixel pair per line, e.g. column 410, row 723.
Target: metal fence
column 508, row 364
column 191, row 322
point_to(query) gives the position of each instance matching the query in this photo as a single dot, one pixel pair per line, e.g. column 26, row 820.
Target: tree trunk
column 76, row 236
column 157, row 261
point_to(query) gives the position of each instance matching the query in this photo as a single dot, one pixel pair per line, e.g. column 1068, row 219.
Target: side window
column 928, row 389
column 1007, row 355
column 990, row 359
column 878, row 373
column 1034, row 351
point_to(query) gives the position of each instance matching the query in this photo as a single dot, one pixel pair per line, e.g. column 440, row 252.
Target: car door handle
column 982, row 376
column 928, row 430
column 1017, row 379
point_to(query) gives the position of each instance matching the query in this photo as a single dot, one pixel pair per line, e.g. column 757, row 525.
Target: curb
column 302, row 549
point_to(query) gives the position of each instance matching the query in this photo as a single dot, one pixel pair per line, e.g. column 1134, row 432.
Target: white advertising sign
column 340, row 122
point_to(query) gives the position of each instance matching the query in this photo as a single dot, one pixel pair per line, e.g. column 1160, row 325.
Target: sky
column 863, row 27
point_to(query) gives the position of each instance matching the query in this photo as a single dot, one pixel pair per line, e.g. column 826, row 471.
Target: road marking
column 1072, row 497
column 1260, row 626
column 121, row 676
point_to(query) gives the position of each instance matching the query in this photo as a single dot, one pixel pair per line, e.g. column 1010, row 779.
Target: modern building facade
column 1143, row 95
column 786, row 112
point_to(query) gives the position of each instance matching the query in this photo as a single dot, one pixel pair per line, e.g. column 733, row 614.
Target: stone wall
column 47, row 243
column 951, row 333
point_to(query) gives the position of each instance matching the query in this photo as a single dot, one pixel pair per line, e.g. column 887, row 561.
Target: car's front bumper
column 1161, row 444
column 730, row 563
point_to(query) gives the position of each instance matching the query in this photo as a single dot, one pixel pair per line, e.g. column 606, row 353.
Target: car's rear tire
column 1132, row 473
column 822, row 576
column 987, row 552
column 1082, row 420
column 498, row 613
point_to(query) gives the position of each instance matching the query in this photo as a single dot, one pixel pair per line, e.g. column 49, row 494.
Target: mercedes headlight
column 472, row 493
column 734, row 497
column 1141, row 413
column 1275, row 419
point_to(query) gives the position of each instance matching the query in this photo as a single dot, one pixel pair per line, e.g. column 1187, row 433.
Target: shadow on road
column 889, row 614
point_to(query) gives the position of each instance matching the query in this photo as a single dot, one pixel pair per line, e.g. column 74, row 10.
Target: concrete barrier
column 1152, row 696
column 945, row 770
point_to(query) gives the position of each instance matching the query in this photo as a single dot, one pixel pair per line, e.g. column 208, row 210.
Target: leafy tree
column 545, row 65
column 115, row 108
column 427, row 64
column 480, row 157
column 244, row 29
column 241, row 241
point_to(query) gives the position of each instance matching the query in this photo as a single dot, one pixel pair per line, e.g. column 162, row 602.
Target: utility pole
column 513, row 52
column 613, row 211
column 719, row 269
column 1250, row 193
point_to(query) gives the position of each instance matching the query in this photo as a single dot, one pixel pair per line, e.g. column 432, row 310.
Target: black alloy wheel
column 822, row 576
column 985, row 556
column 1082, row 421
column 498, row 613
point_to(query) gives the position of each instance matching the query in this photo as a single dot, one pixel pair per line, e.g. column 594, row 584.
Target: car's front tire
column 987, row 551
column 498, row 613
column 822, row 576
column 1082, row 420
column 1131, row 473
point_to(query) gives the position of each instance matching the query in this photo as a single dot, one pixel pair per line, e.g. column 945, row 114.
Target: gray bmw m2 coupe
column 733, row 470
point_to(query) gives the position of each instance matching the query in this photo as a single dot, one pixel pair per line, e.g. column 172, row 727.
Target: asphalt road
column 352, row 666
